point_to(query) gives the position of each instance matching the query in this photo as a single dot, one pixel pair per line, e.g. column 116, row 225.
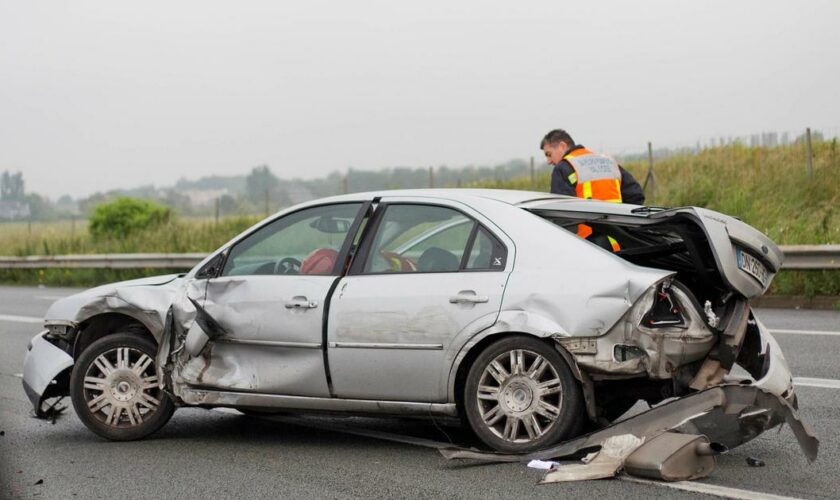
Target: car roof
column 509, row 196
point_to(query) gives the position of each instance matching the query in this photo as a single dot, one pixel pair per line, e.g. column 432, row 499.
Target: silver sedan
column 482, row 304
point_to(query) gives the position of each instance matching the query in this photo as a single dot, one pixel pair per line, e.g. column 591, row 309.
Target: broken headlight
column 59, row 330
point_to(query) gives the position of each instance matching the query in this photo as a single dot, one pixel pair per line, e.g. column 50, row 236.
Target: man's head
column 555, row 145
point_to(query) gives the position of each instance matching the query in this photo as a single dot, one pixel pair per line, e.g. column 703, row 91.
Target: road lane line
column 50, row 297
column 825, row 383
column 805, row 332
column 709, row 489
column 21, row 319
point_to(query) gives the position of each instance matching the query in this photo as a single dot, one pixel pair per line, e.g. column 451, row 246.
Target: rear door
column 428, row 276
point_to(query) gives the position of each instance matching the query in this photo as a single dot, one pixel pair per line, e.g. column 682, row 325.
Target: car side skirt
column 207, row 397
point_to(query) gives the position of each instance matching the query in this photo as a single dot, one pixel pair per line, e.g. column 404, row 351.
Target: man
column 582, row 173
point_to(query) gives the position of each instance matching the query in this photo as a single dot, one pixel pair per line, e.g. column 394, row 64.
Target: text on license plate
column 751, row 265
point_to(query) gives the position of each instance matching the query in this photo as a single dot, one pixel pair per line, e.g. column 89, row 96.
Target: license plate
column 752, row 266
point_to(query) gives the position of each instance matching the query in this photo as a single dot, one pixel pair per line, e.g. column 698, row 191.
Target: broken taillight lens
column 665, row 311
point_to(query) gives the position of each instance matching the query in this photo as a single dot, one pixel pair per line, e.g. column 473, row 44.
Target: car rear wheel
column 520, row 396
column 115, row 391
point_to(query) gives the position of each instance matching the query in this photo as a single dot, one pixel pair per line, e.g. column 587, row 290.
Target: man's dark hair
column 557, row 136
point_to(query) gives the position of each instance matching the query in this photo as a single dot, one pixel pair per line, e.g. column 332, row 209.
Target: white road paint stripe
column 805, row 332
column 709, row 489
column 825, row 383
column 49, row 297
column 21, row 319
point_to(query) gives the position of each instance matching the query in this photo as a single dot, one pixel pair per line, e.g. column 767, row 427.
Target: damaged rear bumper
column 46, row 371
column 765, row 362
column 731, row 414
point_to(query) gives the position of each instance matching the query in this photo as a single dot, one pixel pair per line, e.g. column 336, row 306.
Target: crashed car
column 482, row 304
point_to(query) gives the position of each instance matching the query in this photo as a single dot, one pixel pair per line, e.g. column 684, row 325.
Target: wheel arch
column 480, row 342
column 102, row 325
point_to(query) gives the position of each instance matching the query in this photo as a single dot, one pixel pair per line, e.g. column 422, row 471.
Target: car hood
column 145, row 299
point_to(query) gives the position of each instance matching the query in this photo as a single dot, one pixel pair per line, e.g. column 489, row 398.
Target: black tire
column 125, row 403
column 531, row 397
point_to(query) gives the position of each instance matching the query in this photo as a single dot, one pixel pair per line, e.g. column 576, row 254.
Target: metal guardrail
column 814, row 257
column 105, row 261
column 806, row 257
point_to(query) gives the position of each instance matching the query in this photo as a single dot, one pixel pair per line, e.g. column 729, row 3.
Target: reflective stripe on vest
column 584, row 231
column 598, row 176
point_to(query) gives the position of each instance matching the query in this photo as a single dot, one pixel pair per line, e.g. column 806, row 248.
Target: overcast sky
column 100, row 95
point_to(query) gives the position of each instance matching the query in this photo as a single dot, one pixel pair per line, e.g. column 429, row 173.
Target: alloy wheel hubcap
column 519, row 396
column 121, row 387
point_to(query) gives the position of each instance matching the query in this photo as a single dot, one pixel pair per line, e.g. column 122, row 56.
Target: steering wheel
column 287, row 265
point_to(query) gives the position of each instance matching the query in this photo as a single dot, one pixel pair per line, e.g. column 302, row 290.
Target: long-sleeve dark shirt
column 631, row 191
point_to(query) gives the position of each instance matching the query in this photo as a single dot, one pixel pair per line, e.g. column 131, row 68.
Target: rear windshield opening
column 677, row 245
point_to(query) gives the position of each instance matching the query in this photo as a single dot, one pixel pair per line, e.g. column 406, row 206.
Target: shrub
column 126, row 216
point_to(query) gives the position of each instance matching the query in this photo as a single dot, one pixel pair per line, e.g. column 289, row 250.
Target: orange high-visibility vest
column 597, row 177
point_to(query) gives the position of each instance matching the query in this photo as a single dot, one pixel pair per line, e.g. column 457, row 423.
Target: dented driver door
column 268, row 306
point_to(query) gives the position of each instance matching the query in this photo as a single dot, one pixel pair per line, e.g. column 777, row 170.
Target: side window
column 304, row 242
column 419, row 238
column 487, row 253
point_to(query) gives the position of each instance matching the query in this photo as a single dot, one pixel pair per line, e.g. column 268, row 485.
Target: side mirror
column 213, row 267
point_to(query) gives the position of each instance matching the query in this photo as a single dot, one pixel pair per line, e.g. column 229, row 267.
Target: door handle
column 468, row 297
column 300, row 303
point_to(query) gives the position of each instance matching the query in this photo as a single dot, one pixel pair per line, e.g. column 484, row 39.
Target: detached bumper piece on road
column 713, row 420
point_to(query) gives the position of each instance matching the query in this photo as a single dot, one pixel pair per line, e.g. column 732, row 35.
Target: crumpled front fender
column 46, row 369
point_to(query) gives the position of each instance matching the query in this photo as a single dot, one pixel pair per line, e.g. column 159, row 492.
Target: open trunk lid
column 745, row 259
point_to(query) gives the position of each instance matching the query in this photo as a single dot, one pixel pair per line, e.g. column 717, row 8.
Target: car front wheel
column 520, row 396
column 115, row 391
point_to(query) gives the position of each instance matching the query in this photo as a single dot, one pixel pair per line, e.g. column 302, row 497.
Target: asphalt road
column 219, row 454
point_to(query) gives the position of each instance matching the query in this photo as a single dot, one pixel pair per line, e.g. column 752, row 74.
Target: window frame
column 361, row 257
column 364, row 207
column 495, row 239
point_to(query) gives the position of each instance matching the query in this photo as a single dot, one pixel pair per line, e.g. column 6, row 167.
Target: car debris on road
column 674, row 441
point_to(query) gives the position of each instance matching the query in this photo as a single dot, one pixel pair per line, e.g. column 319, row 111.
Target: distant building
column 14, row 210
column 204, row 196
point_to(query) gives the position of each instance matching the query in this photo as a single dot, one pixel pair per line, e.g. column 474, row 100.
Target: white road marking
column 709, row 489
column 825, row 383
column 50, row 297
column 805, row 332
column 21, row 319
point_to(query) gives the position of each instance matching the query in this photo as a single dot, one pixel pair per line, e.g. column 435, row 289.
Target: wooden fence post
column 267, row 213
column 810, row 152
column 650, row 179
column 533, row 175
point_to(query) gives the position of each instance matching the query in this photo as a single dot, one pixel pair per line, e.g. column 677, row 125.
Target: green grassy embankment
column 769, row 188
column 63, row 238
